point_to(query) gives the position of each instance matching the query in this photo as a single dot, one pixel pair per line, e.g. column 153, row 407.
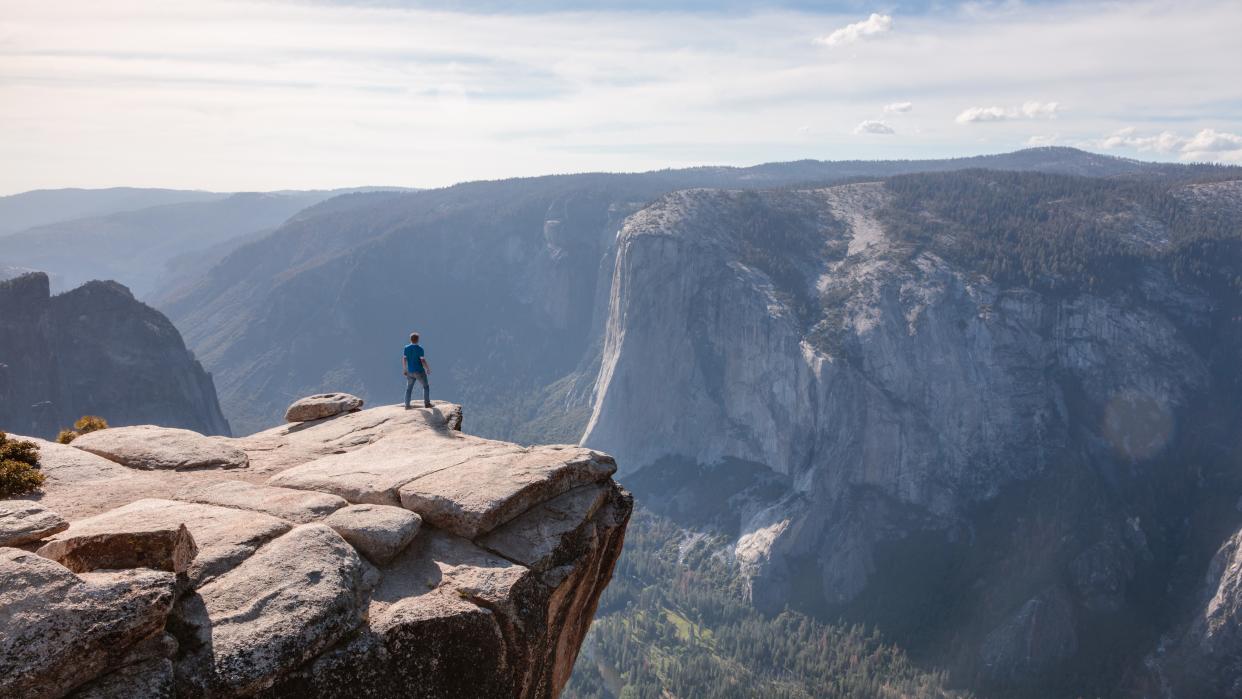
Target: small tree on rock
column 19, row 467
column 86, row 423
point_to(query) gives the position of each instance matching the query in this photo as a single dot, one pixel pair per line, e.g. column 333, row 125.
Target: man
column 416, row 368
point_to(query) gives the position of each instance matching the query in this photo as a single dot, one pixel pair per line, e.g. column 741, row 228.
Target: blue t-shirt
column 413, row 359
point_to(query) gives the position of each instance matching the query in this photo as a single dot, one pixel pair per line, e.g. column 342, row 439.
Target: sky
column 235, row 95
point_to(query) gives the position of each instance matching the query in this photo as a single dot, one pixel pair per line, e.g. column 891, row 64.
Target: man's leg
column 409, row 388
column 426, row 391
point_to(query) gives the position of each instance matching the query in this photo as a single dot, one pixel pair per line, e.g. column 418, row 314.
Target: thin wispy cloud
column 898, row 107
column 874, row 126
column 872, row 26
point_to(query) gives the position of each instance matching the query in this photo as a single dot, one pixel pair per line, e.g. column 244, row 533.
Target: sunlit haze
column 268, row 95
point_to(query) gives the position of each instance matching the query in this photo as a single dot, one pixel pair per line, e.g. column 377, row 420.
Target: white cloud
column 1039, row 141
column 850, row 33
column 1029, row 110
column 1212, row 141
column 898, row 107
column 874, row 126
column 1040, row 110
column 1164, row 142
column 1207, row 144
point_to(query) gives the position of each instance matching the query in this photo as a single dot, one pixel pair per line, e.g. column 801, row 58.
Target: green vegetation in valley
column 19, row 467
column 674, row 623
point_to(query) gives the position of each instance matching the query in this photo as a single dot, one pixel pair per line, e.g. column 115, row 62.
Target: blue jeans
column 409, row 387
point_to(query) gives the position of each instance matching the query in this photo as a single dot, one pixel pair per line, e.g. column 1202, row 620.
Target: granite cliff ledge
column 375, row 553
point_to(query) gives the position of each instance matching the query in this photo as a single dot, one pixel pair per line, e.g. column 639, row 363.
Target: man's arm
column 426, row 366
column 405, row 364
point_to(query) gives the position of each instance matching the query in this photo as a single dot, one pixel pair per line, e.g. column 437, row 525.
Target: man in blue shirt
column 416, row 368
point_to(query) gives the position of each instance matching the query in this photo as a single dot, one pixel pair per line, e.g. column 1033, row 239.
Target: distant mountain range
column 135, row 245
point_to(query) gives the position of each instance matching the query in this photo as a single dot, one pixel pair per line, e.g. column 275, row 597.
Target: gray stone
column 295, row 597
column 475, row 496
column 23, row 521
column 299, row 506
column 150, row 447
column 149, row 679
column 322, row 405
column 59, row 630
column 162, row 546
column 224, row 536
column 379, row 532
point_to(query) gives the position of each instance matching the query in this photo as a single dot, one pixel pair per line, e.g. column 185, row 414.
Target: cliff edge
column 374, row 553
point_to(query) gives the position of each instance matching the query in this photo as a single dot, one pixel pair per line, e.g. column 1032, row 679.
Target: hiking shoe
column 427, row 404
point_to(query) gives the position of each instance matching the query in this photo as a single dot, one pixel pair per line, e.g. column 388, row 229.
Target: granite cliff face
column 95, row 350
column 377, row 553
column 1024, row 473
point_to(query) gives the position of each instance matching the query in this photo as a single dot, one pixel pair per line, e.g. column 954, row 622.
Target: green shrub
column 19, row 467
column 86, row 423
column 90, row 423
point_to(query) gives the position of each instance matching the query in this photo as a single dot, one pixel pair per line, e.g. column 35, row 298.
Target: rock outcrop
column 95, row 351
column 377, row 553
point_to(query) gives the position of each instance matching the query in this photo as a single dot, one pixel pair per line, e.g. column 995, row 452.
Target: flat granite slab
column 224, row 536
column 298, row 506
column 374, row 473
column 476, row 495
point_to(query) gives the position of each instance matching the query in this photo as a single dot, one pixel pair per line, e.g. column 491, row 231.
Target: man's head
column 414, row 338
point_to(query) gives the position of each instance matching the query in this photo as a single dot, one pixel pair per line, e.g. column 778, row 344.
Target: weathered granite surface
column 22, row 522
column 377, row 553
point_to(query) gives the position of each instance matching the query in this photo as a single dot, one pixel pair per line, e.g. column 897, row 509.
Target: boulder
column 299, row 506
column 59, row 630
column 162, row 546
column 379, row 532
column 322, row 405
column 474, row 496
column 224, row 536
column 149, row 447
column 23, row 521
column 295, row 597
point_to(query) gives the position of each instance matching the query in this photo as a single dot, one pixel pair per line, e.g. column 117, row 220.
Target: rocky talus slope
column 373, row 553
column 95, row 350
